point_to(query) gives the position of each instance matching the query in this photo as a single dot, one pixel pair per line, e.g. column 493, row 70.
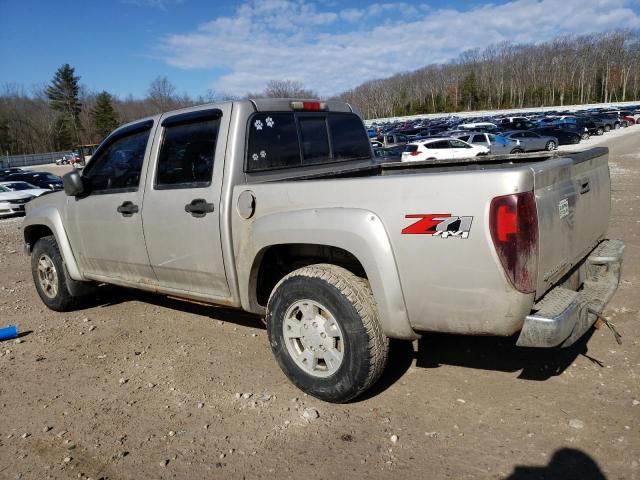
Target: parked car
column 594, row 125
column 12, row 203
column 39, row 179
column 631, row 114
column 68, row 159
column 610, row 122
column 24, row 187
column 392, row 139
column 441, row 149
column 5, row 172
column 391, row 154
column 565, row 137
column 482, row 126
column 517, row 124
column 628, row 118
column 531, row 141
column 498, row 145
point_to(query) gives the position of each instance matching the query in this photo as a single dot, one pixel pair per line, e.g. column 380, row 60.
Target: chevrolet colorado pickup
column 277, row 207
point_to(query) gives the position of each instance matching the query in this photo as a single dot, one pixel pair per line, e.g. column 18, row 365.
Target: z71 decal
column 439, row 225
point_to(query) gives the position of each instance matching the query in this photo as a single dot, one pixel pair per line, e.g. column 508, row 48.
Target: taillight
column 415, row 153
column 513, row 222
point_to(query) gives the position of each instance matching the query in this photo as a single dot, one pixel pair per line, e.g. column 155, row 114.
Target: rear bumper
column 562, row 316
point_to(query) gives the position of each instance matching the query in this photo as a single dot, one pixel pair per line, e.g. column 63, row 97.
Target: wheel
column 323, row 328
column 607, row 128
column 516, row 151
column 625, row 124
column 600, row 131
column 585, row 136
column 48, row 273
column 551, row 145
column 616, row 126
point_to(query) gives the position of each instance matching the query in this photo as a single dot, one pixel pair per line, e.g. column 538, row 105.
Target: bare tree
column 162, row 94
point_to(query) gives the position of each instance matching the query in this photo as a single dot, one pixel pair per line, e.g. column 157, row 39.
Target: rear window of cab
column 289, row 140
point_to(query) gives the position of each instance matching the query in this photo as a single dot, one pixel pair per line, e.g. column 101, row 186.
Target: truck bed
column 409, row 168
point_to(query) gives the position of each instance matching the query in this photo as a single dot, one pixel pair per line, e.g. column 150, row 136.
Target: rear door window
column 438, row 145
column 186, row 155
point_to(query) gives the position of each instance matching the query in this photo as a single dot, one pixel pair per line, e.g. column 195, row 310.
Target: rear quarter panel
column 447, row 284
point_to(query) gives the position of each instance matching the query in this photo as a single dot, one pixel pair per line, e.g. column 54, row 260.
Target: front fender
column 359, row 232
column 49, row 216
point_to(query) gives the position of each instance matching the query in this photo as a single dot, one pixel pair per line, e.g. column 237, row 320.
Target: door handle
column 127, row 209
column 198, row 207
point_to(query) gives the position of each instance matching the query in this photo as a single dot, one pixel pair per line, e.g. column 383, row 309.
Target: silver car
column 531, row 141
column 498, row 145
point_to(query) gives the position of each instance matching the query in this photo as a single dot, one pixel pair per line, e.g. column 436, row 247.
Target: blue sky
column 233, row 47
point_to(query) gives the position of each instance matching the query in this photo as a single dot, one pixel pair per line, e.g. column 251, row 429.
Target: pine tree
column 63, row 98
column 104, row 116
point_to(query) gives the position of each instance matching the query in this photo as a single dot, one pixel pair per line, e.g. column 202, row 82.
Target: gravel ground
column 139, row 386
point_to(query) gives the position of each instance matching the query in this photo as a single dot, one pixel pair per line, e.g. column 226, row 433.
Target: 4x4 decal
column 439, row 225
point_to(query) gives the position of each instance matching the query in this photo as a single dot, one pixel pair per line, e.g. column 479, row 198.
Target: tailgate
column 573, row 198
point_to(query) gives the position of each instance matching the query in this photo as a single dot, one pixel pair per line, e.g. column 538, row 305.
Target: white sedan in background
column 12, row 203
column 24, row 187
column 441, row 149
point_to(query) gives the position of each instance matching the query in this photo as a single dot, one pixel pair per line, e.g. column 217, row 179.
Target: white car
column 441, row 149
column 12, row 203
column 24, row 187
column 477, row 125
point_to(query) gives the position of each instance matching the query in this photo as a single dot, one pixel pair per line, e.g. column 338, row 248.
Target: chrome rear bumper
column 562, row 316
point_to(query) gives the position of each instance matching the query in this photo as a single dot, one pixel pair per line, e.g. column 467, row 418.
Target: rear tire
column 324, row 331
column 607, row 128
column 550, row 146
column 600, row 131
column 48, row 271
column 585, row 136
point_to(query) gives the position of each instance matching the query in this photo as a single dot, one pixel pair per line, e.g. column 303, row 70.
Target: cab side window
column 186, row 154
column 116, row 168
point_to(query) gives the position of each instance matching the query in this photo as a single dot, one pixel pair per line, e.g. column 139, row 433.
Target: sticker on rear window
column 563, row 208
column 442, row 225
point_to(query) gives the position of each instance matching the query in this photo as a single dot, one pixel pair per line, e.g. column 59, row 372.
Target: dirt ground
column 140, row 386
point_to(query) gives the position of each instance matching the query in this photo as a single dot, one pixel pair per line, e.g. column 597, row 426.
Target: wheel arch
column 46, row 221
column 354, row 239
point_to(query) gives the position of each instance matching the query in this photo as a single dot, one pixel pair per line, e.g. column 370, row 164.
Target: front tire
column 516, row 151
column 324, row 331
column 551, row 145
column 47, row 269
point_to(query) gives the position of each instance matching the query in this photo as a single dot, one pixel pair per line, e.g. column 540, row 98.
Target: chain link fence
column 31, row 159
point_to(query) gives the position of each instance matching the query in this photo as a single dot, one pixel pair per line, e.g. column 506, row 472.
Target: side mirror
column 73, row 185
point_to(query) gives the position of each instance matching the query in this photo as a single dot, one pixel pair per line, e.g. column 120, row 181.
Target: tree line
column 64, row 113
column 565, row 71
column 570, row 70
